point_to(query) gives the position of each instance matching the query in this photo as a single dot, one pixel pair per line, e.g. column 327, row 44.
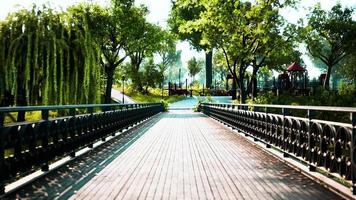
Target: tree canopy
column 330, row 36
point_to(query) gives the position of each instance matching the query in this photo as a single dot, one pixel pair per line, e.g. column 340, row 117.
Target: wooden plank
column 189, row 156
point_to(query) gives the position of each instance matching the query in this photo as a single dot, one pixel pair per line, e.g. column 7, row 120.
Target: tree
column 194, row 67
column 169, row 55
column 240, row 29
column 220, row 69
column 173, row 70
column 48, row 58
column 348, row 69
column 150, row 74
column 275, row 54
column 111, row 28
column 183, row 12
column 145, row 40
column 330, row 36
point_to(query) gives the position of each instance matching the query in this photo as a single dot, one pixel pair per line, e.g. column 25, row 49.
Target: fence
column 298, row 132
column 27, row 146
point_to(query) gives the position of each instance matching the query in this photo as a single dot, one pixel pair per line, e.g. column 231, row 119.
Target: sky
column 159, row 11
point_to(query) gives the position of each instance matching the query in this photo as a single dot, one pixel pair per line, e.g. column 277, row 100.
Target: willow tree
column 47, row 58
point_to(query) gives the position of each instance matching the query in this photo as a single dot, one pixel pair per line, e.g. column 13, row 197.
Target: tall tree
column 239, row 29
column 183, row 12
column 145, row 40
column 168, row 54
column 112, row 27
column 330, row 36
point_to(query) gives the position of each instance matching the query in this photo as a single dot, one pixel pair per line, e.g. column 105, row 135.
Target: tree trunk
column 253, row 83
column 243, row 93
column 209, row 68
column 233, row 89
column 327, row 78
column 21, row 101
column 109, row 82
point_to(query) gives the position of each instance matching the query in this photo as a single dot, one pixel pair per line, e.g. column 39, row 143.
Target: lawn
column 154, row 95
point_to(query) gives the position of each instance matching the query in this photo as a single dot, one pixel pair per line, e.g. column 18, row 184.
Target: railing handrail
column 313, row 141
column 36, row 143
column 314, row 108
column 62, row 107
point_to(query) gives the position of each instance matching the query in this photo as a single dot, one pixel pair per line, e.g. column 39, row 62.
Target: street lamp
column 123, row 89
column 162, row 87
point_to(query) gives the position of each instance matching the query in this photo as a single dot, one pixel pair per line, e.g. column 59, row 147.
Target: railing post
column 2, row 119
column 353, row 152
column 45, row 116
column 311, row 116
column 285, row 112
column 90, row 110
column 2, row 155
column 72, row 113
column 266, row 128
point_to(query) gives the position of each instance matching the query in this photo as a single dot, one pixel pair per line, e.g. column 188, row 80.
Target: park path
column 192, row 102
column 116, row 95
column 186, row 155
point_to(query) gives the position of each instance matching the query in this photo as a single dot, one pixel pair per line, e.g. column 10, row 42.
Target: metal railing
column 26, row 146
column 298, row 131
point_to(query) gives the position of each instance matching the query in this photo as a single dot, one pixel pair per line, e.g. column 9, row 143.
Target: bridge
column 136, row 151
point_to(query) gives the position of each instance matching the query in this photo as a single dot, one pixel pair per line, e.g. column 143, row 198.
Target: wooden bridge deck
column 186, row 155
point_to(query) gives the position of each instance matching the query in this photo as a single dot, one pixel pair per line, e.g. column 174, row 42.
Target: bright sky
column 159, row 10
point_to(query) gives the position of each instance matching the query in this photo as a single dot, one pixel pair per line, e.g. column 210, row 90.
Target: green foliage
column 194, row 67
column 165, row 105
column 48, row 58
column 330, row 36
column 154, row 95
column 345, row 97
column 243, row 31
column 151, row 75
column 220, row 68
column 145, row 40
column 347, row 89
column 182, row 13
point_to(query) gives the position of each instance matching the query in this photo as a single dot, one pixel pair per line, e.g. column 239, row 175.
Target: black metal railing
column 299, row 131
column 26, row 146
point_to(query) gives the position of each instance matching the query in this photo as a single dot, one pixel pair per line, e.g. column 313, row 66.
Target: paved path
column 186, row 155
column 117, row 96
column 192, row 102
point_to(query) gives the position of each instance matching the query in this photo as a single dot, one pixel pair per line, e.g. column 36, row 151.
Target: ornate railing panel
column 26, row 146
column 318, row 143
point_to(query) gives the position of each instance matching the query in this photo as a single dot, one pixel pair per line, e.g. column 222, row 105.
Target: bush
column 165, row 105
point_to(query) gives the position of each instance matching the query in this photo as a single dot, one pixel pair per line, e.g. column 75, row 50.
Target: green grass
column 30, row 116
column 154, row 95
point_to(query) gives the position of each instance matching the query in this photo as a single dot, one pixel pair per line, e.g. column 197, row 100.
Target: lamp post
column 123, row 89
column 162, row 87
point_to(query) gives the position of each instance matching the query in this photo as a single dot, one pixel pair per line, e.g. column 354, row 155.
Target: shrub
column 165, row 105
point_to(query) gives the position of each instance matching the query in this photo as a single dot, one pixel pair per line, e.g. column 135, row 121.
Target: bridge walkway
column 186, row 155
